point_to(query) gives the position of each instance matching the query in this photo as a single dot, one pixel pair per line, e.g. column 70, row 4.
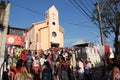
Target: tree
column 110, row 15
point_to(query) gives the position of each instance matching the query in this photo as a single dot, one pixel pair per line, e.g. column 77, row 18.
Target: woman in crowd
column 115, row 73
column 36, row 64
column 23, row 74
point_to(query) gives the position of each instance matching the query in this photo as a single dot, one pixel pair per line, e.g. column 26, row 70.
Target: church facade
column 45, row 34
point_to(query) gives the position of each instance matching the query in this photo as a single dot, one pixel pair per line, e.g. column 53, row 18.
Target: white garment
column 10, row 60
column 87, row 68
column 36, row 62
column 42, row 60
column 80, row 65
column 33, row 57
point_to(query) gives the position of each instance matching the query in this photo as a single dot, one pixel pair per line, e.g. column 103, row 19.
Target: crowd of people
column 54, row 64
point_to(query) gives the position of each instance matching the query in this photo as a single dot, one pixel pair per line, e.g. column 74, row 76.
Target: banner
column 15, row 40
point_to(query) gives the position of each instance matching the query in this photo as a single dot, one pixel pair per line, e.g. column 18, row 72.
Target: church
column 45, row 34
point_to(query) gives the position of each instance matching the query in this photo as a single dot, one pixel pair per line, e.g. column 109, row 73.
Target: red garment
column 68, row 63
column 84, row 64
column 48, row 59
column 23, row 56
column 33, row 54
column 41, row 51
column 12, row 74
column 18, row 69
column 36, row 68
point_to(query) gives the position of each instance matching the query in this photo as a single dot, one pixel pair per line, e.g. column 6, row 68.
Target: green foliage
column 110, row 14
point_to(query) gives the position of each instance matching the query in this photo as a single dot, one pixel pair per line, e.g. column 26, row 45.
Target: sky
column 77, row 26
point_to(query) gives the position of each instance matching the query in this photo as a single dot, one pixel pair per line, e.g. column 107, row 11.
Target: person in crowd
column 23, row 74
column 48, row 58
column 23, row 55
column 42, row 59
column 91, row 70
column 84, row 63
column 57, row 70
column 9, row 61
column 69, row 70
column 115, row 73
column 103, row 68
column 12, row 71
column 36, row 64
column 80, row 69
column 63, row 70
column 19, row 64
column 87, row 69
column 14, row 58
column 29, row 61
column 6, row 59
column 47, row 72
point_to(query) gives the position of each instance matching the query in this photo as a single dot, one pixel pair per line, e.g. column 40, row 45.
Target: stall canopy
column 80, row 43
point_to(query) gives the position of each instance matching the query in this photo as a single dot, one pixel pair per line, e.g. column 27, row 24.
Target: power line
column 77, row 8
column 82, row 3
column 75, row 24
column 28, row 9
column 110, row 7
column 89, row 11
column 85, row 12
column 41, row 13
column 81, row 8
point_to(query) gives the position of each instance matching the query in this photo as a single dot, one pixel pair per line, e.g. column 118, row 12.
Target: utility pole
column 100, row 23
column 4, row 17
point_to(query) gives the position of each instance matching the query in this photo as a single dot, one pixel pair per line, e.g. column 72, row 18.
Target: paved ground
column 97, row 75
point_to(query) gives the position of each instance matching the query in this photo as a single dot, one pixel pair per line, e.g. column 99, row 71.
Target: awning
column 80, row 42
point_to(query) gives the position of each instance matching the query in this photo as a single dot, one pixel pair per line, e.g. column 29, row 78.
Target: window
column 54, row 34
column 53, row 23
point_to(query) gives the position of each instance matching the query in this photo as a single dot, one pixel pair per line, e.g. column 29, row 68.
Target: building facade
column 4, row 18
column 45, row 34
column 15, row 31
